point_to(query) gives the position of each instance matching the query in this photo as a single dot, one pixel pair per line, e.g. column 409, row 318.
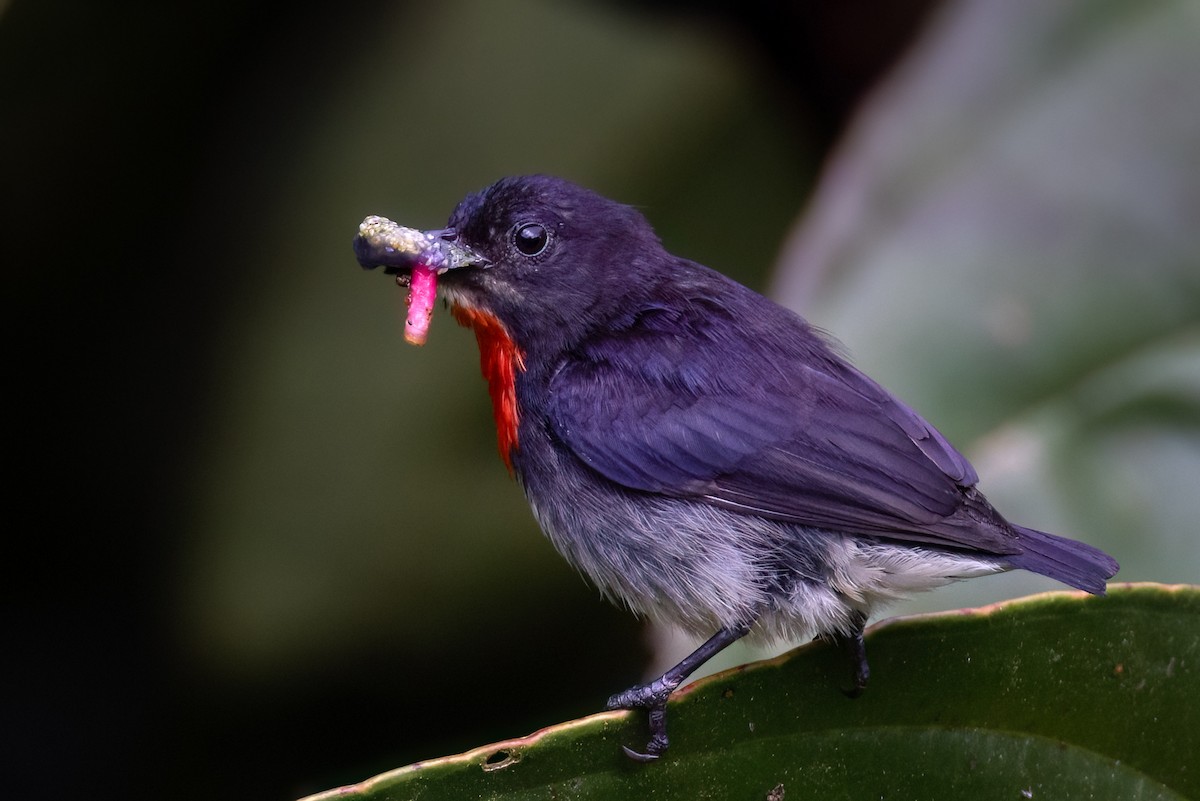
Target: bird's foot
column 653, row 698
column 861, row 674
column 642, row 696
column 857, row 650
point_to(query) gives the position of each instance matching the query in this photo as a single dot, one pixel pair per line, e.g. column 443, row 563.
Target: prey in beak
column 416, row 258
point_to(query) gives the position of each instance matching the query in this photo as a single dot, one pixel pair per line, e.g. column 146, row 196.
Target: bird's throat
column 500, row 359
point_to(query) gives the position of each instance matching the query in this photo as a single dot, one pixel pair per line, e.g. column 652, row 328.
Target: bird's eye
column 531, row 238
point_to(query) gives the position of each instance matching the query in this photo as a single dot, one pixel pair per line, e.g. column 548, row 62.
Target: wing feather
column 764, row 419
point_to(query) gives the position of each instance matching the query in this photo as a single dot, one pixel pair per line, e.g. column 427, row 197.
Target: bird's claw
column 861, row 675
column 638, row 756
column 658, row 738
column 647, row 697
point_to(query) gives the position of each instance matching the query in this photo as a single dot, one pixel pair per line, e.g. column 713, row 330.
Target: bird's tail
column 1068, row 561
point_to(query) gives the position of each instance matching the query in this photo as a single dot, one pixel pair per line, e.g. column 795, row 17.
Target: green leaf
column 1058, row 696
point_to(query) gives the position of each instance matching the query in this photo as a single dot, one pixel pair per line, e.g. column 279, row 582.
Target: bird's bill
column 397, row 249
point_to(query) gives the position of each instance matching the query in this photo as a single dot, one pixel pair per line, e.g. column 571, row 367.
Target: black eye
column 531, row 238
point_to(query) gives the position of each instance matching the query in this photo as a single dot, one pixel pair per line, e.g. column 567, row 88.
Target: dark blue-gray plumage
column 700, row 452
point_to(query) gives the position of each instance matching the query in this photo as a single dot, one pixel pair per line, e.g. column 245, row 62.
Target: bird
column 702, row 454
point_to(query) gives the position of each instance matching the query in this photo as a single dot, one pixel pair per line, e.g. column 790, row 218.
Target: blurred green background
column 262, row 547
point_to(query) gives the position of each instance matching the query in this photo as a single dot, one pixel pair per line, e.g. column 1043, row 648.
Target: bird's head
column 546, row 258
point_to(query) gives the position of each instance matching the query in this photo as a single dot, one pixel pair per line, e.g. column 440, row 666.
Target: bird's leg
column 853, row 644
column 653, row 695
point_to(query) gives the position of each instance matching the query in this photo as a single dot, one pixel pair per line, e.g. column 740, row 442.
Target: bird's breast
column 500, row 360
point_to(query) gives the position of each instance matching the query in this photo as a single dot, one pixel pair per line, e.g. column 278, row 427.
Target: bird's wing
column 777, row 426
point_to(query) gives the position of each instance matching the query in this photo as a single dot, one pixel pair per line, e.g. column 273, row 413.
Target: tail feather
column 1068, row 561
